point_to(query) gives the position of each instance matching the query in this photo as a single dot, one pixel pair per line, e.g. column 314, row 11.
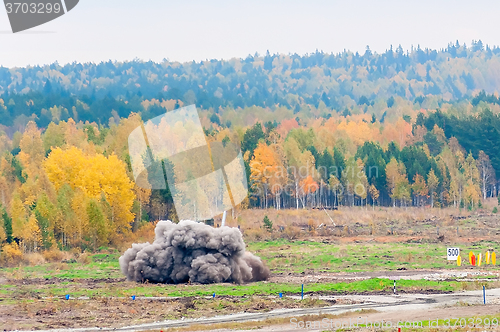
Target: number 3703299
column 32, row 8
column 471, row 322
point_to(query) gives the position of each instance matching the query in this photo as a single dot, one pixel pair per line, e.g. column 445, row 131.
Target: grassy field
column 300, row 256
column 284, row 256
column 102, row 276
column 101, row 266
column 99, row 292
column 12, row 293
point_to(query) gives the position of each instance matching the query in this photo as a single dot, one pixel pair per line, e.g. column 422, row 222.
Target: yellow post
column 488, row 257
column 459, row 261
column 479, row 259
column 470, row 257
column 493, row 258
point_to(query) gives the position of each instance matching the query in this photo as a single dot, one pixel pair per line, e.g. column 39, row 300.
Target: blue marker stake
column 214, row 296
column 281, row 295
column 302, row 291
column 484, row 295
column 133, row 297
column 67, row 297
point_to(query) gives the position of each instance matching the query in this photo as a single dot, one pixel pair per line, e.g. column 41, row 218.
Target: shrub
column 145, row 233
column 84, row 259
column 495, row 210
column 56, row 255
column 292, row 232
column 11, row 255
column 75, row 251
column 268, row 224
column 311, row 224
column 254, row 234
column 33, row 259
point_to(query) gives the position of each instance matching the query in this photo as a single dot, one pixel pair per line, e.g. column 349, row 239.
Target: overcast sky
column 185, row 30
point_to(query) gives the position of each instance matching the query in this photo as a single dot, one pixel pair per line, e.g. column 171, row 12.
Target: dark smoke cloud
column 191, row 251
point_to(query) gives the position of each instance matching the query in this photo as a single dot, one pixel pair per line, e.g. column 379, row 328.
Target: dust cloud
column 192, row 252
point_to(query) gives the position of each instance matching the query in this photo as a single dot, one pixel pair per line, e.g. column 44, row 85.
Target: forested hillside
column 346, row 82
column 419, row 128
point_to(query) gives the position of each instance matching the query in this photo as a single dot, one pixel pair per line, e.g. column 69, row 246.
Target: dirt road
column 434, row 275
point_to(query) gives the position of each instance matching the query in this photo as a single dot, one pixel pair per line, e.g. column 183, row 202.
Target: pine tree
column 268, row 224
column 44, row 226
column 7, row 225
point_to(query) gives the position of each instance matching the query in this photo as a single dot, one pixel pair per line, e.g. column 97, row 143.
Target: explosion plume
column 195, row 252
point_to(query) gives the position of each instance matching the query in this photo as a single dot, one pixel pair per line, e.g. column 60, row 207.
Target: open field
column 36, row 295
column 379, row 224
column 284, row 256
column 313, row 257
column 330, row 267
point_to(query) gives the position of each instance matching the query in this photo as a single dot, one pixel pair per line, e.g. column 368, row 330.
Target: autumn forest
column 416, row 128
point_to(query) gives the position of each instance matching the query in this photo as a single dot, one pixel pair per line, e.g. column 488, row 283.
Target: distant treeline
column 71, row 184
column 457, row 166
column 346, row 82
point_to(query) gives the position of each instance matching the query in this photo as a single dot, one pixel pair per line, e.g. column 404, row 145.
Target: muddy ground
column 410, row 316
column 55, row 313
column 36, row 312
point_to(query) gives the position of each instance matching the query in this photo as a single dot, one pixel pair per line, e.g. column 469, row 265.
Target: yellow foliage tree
column 432, row 183
column 18, row 215
column 77, row 227
column 31, row 237
column 374, row 193
column 397, row 182
column 94, row 175
column 419, row 187
column 11, row 255
column 32, row 151
column 263, row 168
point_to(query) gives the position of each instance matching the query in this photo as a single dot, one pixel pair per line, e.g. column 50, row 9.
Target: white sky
column 185, row 30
